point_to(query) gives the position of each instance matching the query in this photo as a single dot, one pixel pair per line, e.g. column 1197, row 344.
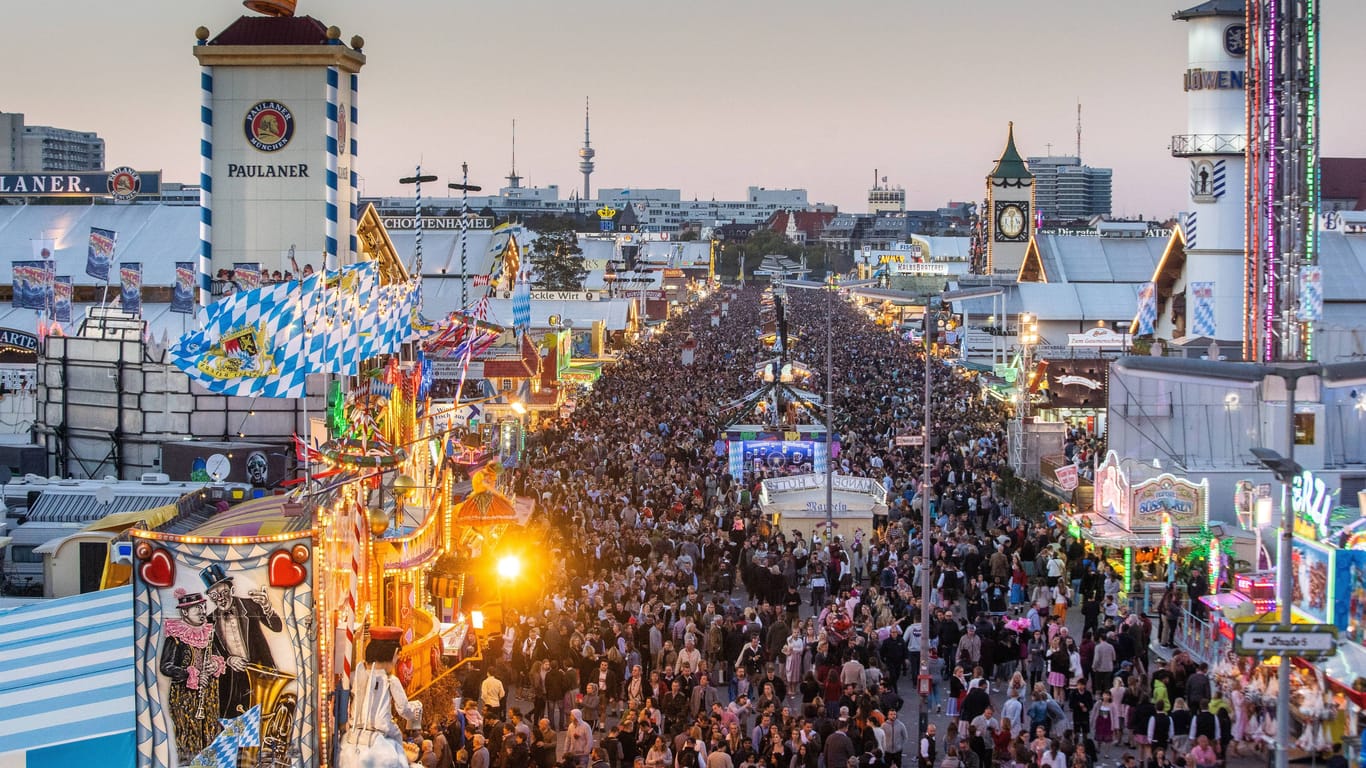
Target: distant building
column 44, row 148
column 1066, row 190
column 883, row 198
column 1343, row 183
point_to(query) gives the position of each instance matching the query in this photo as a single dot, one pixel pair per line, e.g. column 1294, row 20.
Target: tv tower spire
column 514, row 181
column 586, row 154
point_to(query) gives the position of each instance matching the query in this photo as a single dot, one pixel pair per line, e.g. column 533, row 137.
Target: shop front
column 798, row 502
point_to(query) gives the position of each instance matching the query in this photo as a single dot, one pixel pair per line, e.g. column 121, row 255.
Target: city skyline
column 710, row 101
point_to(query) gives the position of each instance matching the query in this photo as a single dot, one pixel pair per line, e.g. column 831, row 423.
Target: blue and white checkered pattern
column 1202, row 309
column 205, row 185
column 238, row 733
column 305, row 327
column 1147, row 308
column 1311, row 293
column 521, row 302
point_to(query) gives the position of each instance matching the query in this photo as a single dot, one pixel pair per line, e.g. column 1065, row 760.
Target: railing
column 1200, row 638
column 1185, row 145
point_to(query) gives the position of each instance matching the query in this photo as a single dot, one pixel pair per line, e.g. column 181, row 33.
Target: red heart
column 284, row 572
column 159, row 570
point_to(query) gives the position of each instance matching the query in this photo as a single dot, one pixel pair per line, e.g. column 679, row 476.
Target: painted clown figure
column 194, row 661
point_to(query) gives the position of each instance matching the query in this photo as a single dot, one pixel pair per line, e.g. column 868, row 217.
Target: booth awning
column 150, row 518
column 1105, row 533
column 66, row 682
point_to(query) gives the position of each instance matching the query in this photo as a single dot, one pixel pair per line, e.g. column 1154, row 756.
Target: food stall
column 1142, row 521
column 798, row 502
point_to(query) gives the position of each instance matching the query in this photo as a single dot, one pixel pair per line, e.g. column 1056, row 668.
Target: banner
column 1067, row 477
column 246, row 275
column 1202, row 310
column 1147, row 309
column 130, row 287
column 1311, row 294
column 101, row 253
column 521, row 304
column 32, row 285
column 182, row 297
column 61, row 298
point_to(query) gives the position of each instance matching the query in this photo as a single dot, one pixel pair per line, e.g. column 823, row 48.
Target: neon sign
column 1311, row 503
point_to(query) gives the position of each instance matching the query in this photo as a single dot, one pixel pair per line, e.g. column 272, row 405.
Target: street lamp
column 1285, row 469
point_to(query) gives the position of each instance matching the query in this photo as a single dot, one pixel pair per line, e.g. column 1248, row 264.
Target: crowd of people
column 680, row 628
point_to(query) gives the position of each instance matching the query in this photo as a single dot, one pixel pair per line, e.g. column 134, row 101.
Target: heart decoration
column 284, row 572
column 159, row 569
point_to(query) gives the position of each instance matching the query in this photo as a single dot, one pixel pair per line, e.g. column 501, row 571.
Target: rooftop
column 1212, row 8
column 1011, row 165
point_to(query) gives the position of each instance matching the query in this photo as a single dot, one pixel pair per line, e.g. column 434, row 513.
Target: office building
column 1066, row 190
column 26, row 147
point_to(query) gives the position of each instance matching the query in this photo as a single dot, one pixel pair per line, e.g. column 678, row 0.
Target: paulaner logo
column 269, row 126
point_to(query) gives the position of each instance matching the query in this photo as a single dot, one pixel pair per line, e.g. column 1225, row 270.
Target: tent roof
column 66, row 673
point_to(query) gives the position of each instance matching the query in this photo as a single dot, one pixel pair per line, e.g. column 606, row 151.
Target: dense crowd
column 678, row 628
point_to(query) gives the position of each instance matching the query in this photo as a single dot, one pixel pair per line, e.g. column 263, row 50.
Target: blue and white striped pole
column 355, row 177
column 330, row 231
column 205, row 186
column 417, row 216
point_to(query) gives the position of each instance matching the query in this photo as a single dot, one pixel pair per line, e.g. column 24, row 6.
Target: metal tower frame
column 1282, row 168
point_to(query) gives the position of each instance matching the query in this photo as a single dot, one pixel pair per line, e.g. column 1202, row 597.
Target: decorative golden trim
column 375, row 245
column 348, row 60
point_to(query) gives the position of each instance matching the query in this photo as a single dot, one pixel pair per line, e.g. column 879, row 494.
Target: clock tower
column 1010, row 206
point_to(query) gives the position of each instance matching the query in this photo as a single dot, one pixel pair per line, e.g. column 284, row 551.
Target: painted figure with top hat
column 239, row 625
column 193, row 660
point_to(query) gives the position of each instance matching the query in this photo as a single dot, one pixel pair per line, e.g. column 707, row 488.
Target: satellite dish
column 218, row 467
column 104, row 495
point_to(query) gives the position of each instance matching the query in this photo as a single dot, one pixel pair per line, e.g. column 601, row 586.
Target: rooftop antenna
column 514, row 181
column 1078, row 129
column 874, row 178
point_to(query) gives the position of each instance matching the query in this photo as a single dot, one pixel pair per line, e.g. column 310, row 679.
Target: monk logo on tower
column 269, row 126
column 124, row 183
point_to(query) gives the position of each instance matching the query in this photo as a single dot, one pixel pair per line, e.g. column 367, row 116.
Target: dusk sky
column 709, row 96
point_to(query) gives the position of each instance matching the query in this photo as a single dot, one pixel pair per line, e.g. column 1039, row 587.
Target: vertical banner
column 1202, row 309
column 1147, row 309
column 247, row 275
column 61, row 298
column 100, row 255
column 182, row 297
column 521, row 304
column 1311, row 293
column 130, row 287
column 32, row 285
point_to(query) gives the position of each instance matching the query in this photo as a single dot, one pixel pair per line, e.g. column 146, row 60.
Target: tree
column 557, row 257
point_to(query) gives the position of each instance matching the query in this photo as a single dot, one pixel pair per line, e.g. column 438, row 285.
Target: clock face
column 1011, row 220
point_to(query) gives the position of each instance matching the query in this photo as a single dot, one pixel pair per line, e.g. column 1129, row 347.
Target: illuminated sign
column 606, row 212
column 1098, row 337
column 18, row 341
column 1214, row 79
column 1182, row 500
column 1312, row 505
column 121, row 184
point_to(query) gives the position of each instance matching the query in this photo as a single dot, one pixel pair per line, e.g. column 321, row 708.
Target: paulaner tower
column 278, row 145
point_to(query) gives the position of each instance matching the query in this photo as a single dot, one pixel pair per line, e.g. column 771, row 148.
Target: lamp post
column 1285, row 469
column 829, row 408
column 926, row 550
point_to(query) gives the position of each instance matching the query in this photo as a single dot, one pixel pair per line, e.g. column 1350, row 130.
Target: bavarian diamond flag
column 265, row 342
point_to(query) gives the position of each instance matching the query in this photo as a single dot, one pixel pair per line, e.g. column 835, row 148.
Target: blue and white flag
column 267, row 341
column 100, row 255
column 1202, row 309
column 1147, row 309
column 521, row 303
column 130, row 287
column 241, row 732
column 1311, row 294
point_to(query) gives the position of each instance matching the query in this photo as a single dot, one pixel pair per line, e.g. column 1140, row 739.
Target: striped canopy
column 66, row 681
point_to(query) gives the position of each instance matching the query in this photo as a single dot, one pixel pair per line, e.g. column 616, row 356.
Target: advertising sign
column 1311, row 568
column 225, row 655
column 122, row 184
column 1183, row 500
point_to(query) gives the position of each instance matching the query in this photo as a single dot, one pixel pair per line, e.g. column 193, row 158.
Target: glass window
column 1304, row 429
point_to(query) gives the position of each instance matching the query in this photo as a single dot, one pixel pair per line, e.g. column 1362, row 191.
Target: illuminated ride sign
column 1312, row 504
